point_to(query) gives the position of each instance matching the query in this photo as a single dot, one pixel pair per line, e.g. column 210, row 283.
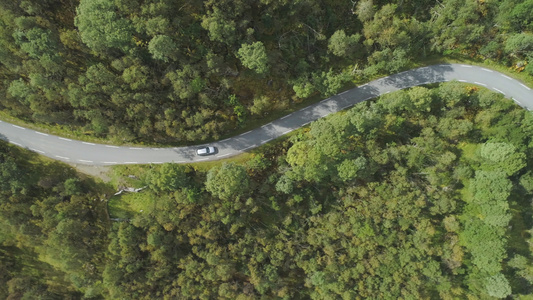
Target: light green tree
column 498, row 286
column 503, row 156
column 351, row 168
column 285, row 184
column 254, row 57
column 162, row 47
column 303, row 87
column 261, row 105
column 343, row 45
column 519, row 44
column 227, row 181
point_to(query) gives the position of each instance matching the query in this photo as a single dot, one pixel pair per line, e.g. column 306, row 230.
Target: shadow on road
column 187, row 152
column 425, row 75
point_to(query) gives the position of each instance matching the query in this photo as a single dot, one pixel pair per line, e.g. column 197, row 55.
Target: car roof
column 206, row 149
column 203, row 150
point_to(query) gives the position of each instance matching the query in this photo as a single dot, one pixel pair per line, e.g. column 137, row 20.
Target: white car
column 204, row 151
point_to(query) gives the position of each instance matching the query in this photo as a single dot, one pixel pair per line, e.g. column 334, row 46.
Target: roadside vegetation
column 166, row 72
column 424, row 193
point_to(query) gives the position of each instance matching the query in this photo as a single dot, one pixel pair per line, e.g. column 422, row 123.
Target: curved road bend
column 73, row 151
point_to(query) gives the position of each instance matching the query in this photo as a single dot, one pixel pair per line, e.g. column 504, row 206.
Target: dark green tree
column 101, row 26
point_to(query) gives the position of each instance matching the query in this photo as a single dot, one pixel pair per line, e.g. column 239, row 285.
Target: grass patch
column 126, row 205
column 128, row 175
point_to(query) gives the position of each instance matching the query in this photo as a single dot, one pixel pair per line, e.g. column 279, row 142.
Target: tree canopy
column 170, row 67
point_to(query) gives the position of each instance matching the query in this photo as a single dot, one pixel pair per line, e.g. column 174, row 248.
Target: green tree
column 308, row 163
column 73, row 186
column 254, row 57
column 498, row 286
column 520, row 16
column 101, row 27
column 486, row 245
column 12, row 178
column 351, row 168
column 519, row 44
column 490, row 185
column 343, row 45
column 329, row 83
column 162, row 47
column 365, row 10
column 219, row 27
column 21, row 91
column 186, row 82
column 458, row 23
column 37, row 42
column 397, row 102
column 303, row 87
column 503, row 156
column 285, row 185
column 262, row 105
column 228, row 181
column 167, row 177
column 422, row 98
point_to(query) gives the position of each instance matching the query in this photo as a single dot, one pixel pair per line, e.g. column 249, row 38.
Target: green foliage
column 387, row 200
column 343, row 45
column 101, row 28
column 227, row 182
column 329, row 83
column 526, row 181
column 520, row 16
column 37, row 42
column 261, row 105
column 73, row 187
column 303, row 88
column 285, row 185
column 485, row 244
column 167, row 178
column 377, row 200
column 519, row 44
column 167, row 68
column 458, row 24
column 20, row 90
column 12, row 179
column 498, row 286
column 52, row 233
column 504, row 157
column 254, row 57
column 220, row 28
column 162, row 47
column 351, row 168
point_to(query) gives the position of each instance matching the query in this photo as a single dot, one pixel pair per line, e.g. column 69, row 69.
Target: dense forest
column 423, row 194
column 168, row 71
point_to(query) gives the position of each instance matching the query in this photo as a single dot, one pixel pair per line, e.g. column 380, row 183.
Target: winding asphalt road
column 78, row 152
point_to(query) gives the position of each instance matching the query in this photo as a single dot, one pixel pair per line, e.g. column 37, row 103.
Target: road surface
column 78, row 152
